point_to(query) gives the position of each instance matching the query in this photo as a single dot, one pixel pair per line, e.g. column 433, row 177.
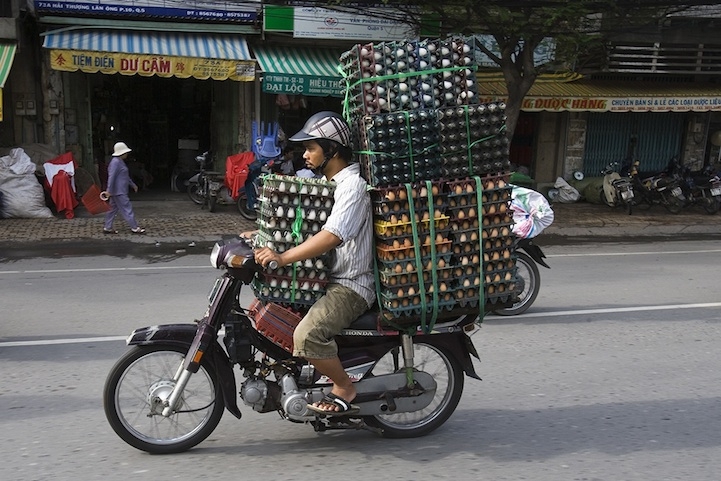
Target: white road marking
column 607, row 254
column 105, row 269
column 609, row 310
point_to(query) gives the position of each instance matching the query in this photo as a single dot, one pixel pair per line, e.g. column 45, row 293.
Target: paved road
column 612, row 375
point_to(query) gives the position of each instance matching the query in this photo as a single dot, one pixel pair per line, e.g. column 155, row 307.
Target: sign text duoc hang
column 149, row 65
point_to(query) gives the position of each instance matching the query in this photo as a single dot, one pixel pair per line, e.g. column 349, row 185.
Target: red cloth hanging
column 63, row 194
column 236, row 171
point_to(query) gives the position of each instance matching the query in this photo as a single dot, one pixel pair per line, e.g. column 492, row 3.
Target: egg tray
column 408, row 265
column 285, row 296
column 392, row 279
column 402, row 175
column 303, row 282
column 398, row 67
column 388, row 230
column 389, row 254
column 281, row 184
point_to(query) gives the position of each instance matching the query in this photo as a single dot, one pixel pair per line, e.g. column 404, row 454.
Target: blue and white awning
column 176, row 44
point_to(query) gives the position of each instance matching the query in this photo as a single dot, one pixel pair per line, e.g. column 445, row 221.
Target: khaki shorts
column 335, row 311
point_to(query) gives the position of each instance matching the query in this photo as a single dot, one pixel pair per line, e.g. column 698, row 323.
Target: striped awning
column 7, row 55
column 148, row 53
column 300, row 71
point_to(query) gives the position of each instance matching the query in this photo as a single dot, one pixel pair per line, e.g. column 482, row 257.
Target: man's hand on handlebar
column 268, row 258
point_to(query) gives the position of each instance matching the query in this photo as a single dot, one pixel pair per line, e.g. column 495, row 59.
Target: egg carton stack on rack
column 292, row 210
column 438, row 163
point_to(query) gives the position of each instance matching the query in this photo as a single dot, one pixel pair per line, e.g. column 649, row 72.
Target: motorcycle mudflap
column 182, row 335
column 459, row 344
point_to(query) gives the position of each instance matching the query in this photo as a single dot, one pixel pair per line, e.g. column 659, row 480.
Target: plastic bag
column 531, row 212
column 22, row 193
column 567, row 194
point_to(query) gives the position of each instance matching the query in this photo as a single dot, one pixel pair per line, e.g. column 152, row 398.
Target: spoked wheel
column 528, row 283
column 195, row 195
column 449, row 387
column 134, row 394
column 243, row 208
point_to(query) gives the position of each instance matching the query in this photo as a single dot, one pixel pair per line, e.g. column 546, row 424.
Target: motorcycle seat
column 367, row 321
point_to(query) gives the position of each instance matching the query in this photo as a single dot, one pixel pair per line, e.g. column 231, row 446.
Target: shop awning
column 165, row 54
column 300, row 71
column 595, row 96
column 7, row 55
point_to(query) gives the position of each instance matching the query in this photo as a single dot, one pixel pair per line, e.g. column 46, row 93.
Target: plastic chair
column 265, row 140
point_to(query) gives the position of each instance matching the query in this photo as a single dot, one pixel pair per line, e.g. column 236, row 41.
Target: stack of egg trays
column 482, row 240
column 472, row 140
column 398, row 148
column 292, row 209
column 406, row 281
column 409, row 74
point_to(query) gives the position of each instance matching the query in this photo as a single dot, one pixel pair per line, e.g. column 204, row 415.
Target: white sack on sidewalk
column 531, row 212
column 566, row 192
column 22, row 193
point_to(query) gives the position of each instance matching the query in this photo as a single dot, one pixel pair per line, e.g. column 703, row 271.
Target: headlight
column 215, row 256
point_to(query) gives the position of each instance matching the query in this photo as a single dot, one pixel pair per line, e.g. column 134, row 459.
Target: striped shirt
column 351, row 221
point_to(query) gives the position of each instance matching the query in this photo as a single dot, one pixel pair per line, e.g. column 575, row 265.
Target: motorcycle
column 617, row 190
column 660, row 188
column 701, row 188
column 528, row 277
column 206, row 188
column 169, row 391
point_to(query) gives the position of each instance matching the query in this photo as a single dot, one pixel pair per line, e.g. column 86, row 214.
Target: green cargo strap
column 481, row 271
column 434, row 270
column 418, row 257
column 295, row 231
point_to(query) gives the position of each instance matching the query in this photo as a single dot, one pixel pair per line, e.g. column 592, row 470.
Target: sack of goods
column 437, row 160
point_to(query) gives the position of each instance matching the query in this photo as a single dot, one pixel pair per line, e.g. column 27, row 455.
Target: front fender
column 181, row 335
column 534, row 251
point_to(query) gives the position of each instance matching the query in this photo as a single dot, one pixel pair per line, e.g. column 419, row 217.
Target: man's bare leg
column 342, row 385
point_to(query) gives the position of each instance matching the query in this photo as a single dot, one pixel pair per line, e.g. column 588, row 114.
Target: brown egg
column 458, row 189
column 402, row 194
column 391, row 195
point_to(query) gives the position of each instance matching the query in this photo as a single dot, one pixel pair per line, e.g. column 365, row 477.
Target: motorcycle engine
column 260, row 395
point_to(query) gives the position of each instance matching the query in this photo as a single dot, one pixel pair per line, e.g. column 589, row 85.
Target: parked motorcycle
column 528, row 277
column 206, row 188
column 617, row 190
column 661, row 188
column 702, row 188
column 169, row 391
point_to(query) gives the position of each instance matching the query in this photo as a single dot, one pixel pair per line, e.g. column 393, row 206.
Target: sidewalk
column 170, row 217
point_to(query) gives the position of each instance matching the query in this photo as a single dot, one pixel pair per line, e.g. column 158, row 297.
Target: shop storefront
column 167, row 94
column 594, row 123
column 297, row 81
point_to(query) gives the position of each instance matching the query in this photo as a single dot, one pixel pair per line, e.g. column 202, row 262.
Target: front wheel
column 528, row 283
column 447, row 373
column 195, row 195
column 243, row 208
column 133, row 401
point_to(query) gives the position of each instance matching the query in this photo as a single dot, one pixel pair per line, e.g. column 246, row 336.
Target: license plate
column 676, row 192
column 627, row 194
column 716, row 190
column 214, row 185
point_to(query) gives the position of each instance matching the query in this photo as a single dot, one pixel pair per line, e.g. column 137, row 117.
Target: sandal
column 138, row 230
column 344, row 407
column 109, row 231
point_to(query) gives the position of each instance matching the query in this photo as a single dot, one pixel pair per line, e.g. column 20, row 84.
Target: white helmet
column 325, row 125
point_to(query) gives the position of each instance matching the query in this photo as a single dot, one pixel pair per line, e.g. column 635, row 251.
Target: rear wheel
column 194, row 194
column 528, row 283
column 710, row 205
column 133, row 400
column 448, row 376
column 243, row 208
column 673, row 204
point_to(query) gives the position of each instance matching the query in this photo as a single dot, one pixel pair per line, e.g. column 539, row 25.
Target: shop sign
column 194, row 10
column 149, row 65
column 617, row 104
column 282, row 83
column 369, row 24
